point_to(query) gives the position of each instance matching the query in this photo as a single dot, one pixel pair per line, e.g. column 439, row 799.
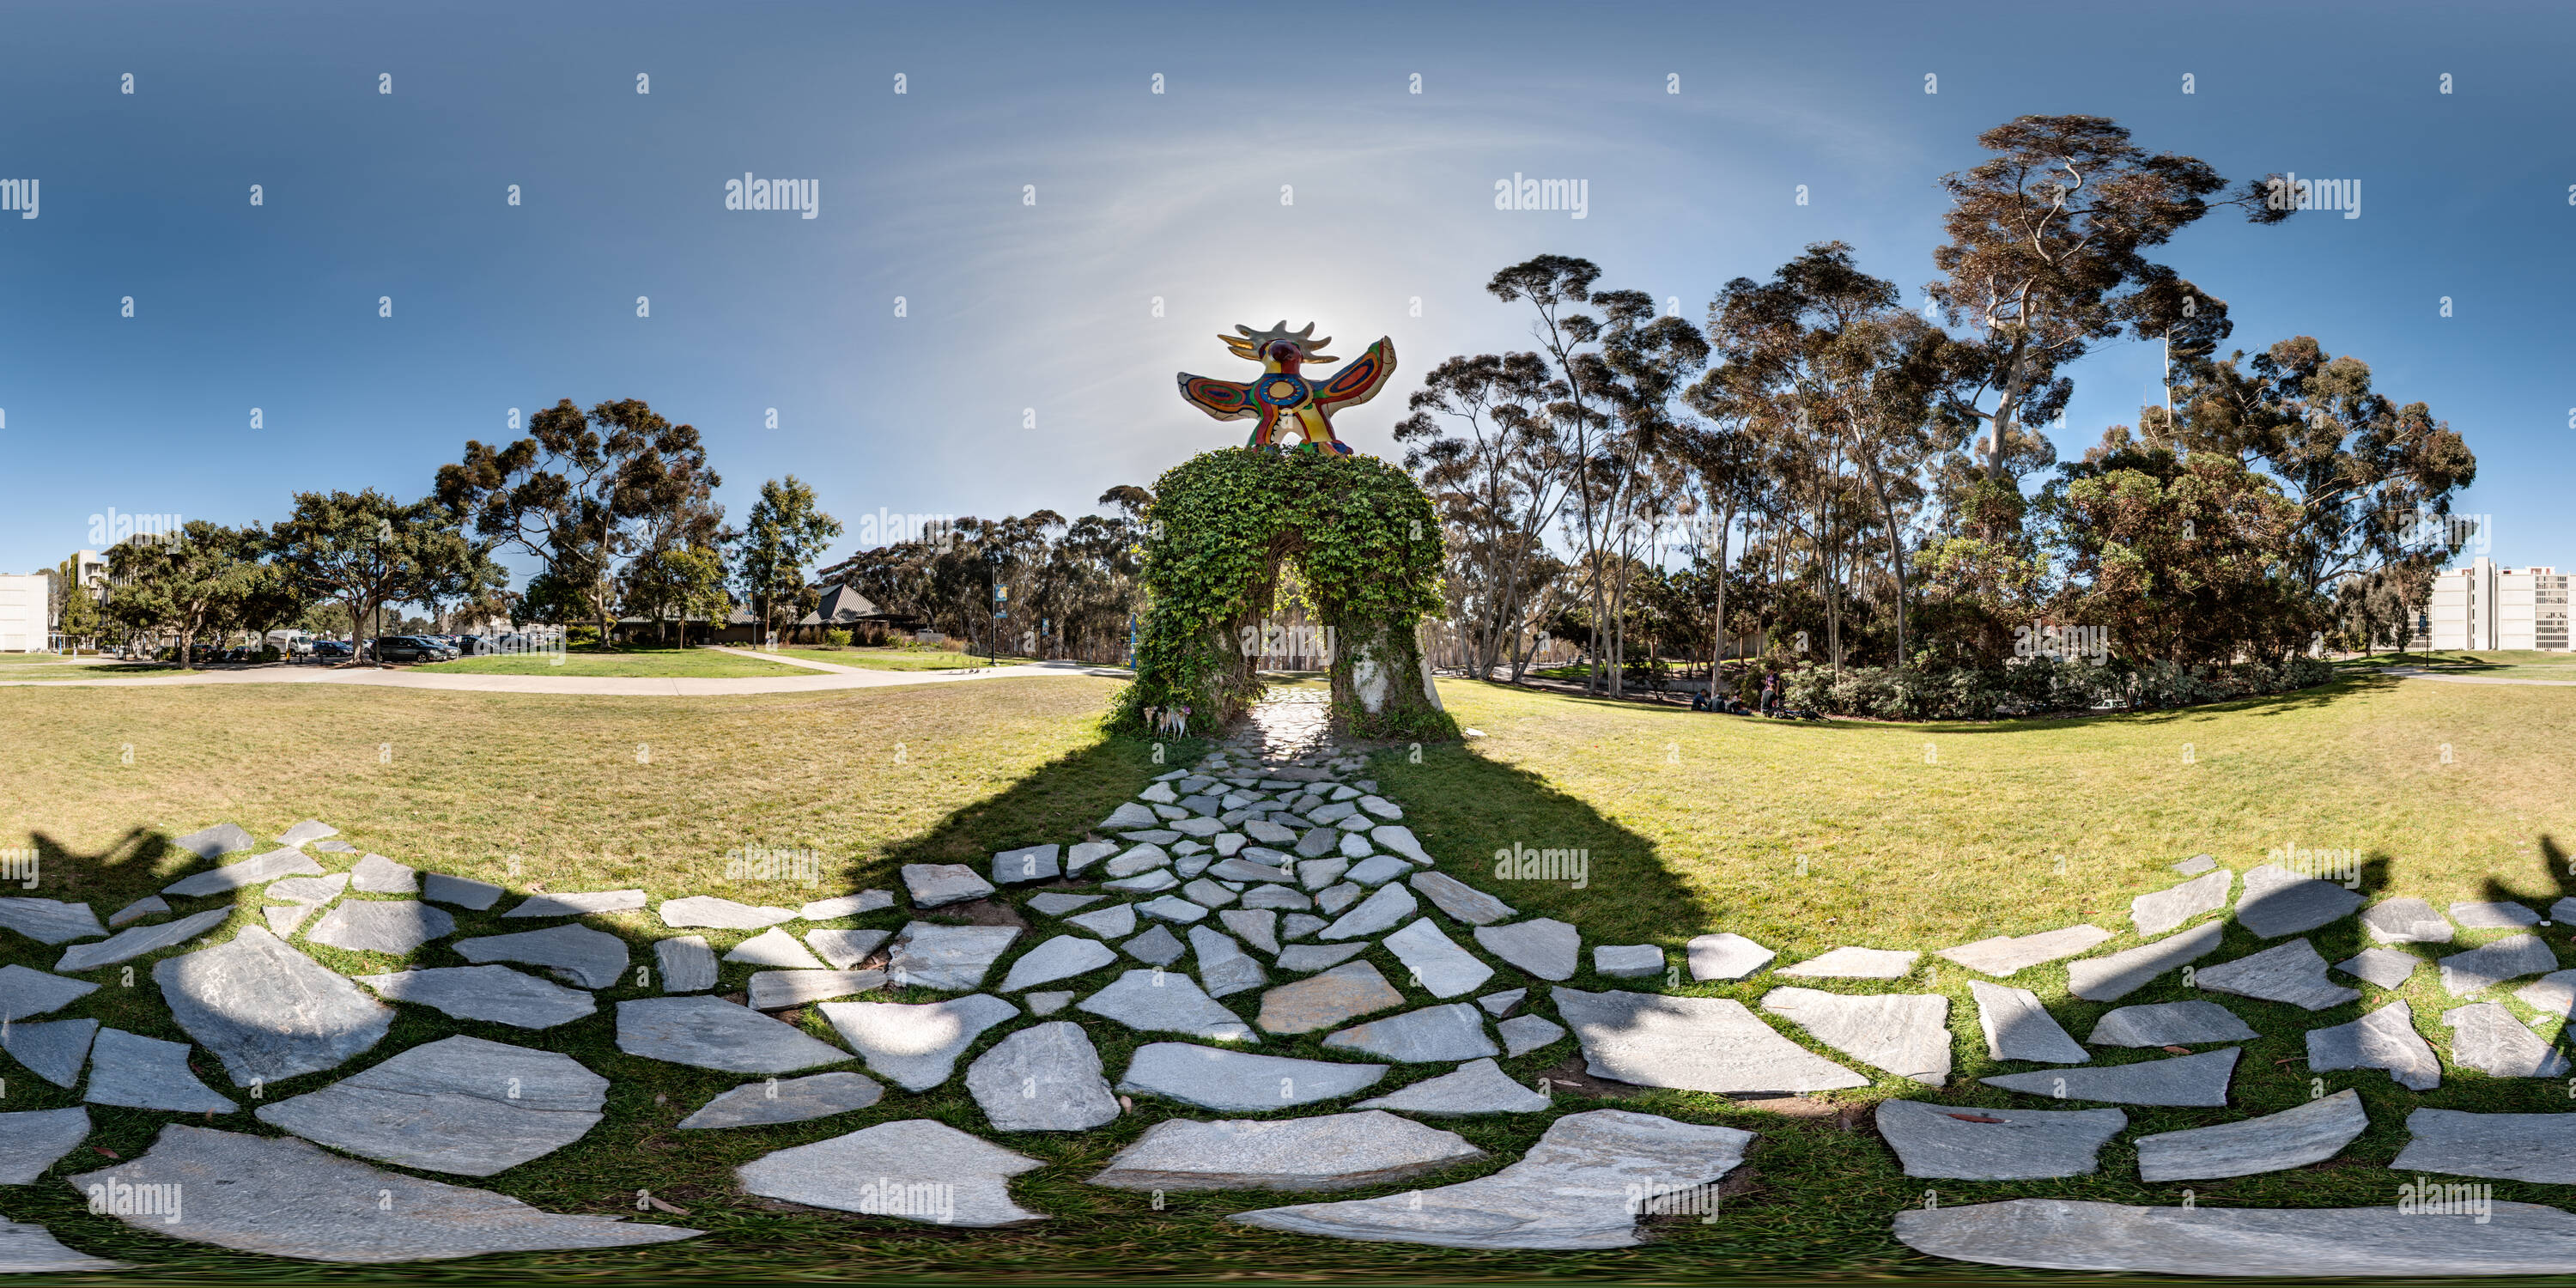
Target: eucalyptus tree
column 1500, row 482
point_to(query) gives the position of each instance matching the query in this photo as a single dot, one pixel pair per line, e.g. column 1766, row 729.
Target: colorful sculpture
column 1282, row 399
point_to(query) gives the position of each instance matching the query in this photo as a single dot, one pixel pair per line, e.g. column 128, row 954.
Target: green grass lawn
column 1692, row 823
column 696, row 663
column 900, row 659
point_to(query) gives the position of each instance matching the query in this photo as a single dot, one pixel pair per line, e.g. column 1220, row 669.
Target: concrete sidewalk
column 834, row 677
column 2411, row 673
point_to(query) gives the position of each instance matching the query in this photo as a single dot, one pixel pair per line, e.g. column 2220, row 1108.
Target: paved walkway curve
column 2410, row 673
column 833, row 676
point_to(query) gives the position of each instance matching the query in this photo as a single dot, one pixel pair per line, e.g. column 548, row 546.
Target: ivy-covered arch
column 1366, row 547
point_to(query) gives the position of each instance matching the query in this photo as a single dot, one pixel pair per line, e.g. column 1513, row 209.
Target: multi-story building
column 2486, row 608
column 25, row 612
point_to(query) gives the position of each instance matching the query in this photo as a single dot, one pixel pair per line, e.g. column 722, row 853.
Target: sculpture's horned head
column 1279, row 345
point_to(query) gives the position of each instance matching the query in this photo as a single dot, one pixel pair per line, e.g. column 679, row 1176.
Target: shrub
column 837, row 639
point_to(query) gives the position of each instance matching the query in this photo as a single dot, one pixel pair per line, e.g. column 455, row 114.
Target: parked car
column 411, row 648
column 331, row 651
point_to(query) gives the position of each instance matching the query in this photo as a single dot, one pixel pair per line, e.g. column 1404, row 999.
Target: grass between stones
column 1692, row 823
column 657, row 663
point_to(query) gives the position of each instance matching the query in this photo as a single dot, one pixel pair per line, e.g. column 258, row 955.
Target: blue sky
column 1030, row 369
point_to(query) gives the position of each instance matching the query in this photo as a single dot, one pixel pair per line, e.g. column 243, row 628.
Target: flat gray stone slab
column 496, row 994
column 1320, row 874
column 579, row 904
column 267, row 1011
column 2280, row 902
column 786, row 1100
column 916, row 1045
column 1373, row 869
column 699, row 910
column 687, row 964
column 712, row 1033
column 1279, row 897
column 1299, row 925
column 1062, row 957
column 1907, row 1034
column 2493, row 915
column 222, row 838
column 459, row 1105
column 333, row 847
column 2196, row 864
column 849, row 905
column 396, row 927
column 308, row 830
column 2507, row 1147
column 1224, row 968
column 137, row 1072
column 285, row 1197
column 776, row 990
column 1207, row 893
column 1523, row 1034
column 1440, row 1034
column 1159, row 1001
column 1476, row 1087
column 35, row 1140
column 1855, row 963
column 1043, row 1004
column 464, row 892
column 285, row 917
column 2108, row 979
column 2484, row 967
column 1239, row 1081
column 150, row 905
column 1440, row 967
column 1127, row 816
column 53, row 1050
column 1578, row 1188
column 2405, row 921
column 1541, row 946
column 2386, row 967
column 1725, row 955
column 50, row 921
column 915, row 1169
column 1385, row 909
column 249, row 872
column 1331, row 1152
column 1173, row 908
column 2553, row 993
column 592, row 958
column 1043, row 1078
column 1158, row 946
column 2017, row 1027
column 1501, row 1004
column 2004, row 956
column 2154, row 914
column 1627, row 961
column 1460, row 900
column 776, row 948
column 2310, row 1133
column 1321, row 1001
column 1402, row 841
column 2199, row 1079
column 2384, row 1039
column 1085, row 854
column 950, row 958
column 1246, row 870
column 1258, row 927
column 2214, row 1242
column 843, row 949
column 376, row 874
column 1116, row 921
column 315, row 890
column 26, row 993
column 2169, row 1024
column 1056, row 903
column 2293, row 972
column 135, row 941
column 934, row 885
column 1692, row 1043
column 1028, row 863
column 2486, row 1037
column 1958, row 1142
column 29, row 1250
